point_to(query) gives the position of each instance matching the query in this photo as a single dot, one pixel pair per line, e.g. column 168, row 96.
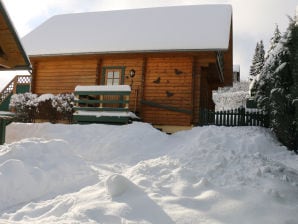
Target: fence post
column 235, row 117
column 242, row 117
column 228, row 118
column 2, row 131
column 3, row 123
column 202, row 117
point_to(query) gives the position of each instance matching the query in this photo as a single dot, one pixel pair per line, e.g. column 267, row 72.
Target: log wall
column 168, row 82
column 62, row 76
column 168, row 88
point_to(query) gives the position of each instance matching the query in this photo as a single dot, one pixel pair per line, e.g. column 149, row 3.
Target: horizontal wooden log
column 165, row 107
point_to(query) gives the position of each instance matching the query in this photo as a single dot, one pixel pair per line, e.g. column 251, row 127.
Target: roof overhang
column 126, row 52
column 12, row 53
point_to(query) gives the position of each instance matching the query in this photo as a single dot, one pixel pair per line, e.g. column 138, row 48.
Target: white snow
column 136, row 174
column 106, row 114
column 103, row 88
column 45, row 97
column 194, row 27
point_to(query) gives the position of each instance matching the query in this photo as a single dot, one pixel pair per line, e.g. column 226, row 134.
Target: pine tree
column 261, row 58
column 252, row 71
column 274, row 40
column 273, row 88
column 257, row 61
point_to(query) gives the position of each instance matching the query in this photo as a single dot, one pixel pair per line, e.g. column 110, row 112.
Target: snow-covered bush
column 25, row 106
column 63, row 103
column 231, row 97
column 29, row 107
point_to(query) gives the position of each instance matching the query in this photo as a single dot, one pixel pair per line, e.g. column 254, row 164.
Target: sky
column 253, row 20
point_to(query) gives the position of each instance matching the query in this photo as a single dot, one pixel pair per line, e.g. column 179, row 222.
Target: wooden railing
column 237, row 117
column 11, row 87
column 102, row 104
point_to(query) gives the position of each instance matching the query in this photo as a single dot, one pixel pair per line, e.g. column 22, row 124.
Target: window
column 113, row 77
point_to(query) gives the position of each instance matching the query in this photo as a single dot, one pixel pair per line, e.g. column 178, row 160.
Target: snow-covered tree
column 273, row 86
column 274, row 40
column 257, row 61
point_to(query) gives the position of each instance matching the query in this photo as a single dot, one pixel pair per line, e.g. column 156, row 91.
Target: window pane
column 116, row 75
column 109, row 82
column 110, row 75
column 116, row 82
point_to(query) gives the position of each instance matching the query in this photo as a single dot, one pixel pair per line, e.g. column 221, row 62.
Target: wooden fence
column 237, row 117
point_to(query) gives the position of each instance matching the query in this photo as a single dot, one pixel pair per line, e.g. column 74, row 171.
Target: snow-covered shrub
column 29, row 107
column 25, row 106
column 63, row 103
column 231, row 97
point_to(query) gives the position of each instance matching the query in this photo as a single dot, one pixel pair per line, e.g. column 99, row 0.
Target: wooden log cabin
column 12, row 57
column 172, row 57
column 12, row 53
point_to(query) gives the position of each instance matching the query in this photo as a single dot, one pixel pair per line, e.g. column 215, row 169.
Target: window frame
column 105, row 71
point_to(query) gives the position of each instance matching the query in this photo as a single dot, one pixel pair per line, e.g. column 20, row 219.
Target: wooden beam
column 166, row 107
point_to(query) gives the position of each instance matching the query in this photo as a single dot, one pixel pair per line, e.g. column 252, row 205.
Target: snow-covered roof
column 103, row 88
column 192, row 27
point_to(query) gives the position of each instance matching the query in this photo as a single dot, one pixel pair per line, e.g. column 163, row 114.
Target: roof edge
column 129, row 52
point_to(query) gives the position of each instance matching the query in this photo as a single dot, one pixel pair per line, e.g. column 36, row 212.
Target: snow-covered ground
column 136, row 174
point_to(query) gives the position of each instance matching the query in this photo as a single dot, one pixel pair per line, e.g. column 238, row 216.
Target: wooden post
column 235, row 117
column 101, row 99
column 126, row 98
column 2, row 131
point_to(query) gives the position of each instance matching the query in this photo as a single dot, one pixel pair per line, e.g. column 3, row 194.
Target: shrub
column 28, row 107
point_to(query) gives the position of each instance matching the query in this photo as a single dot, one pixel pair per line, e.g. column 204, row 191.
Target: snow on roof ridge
column 165, row 28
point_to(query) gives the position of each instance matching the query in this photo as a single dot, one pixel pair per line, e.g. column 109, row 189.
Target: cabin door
column 112, row 76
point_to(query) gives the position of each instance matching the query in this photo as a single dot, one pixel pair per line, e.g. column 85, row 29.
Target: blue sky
column 253, row 20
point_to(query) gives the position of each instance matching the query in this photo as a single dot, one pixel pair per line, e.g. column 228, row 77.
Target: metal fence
column 236, row 117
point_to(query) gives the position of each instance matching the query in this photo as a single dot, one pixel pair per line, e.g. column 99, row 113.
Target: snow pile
column 227, row 98
column 34, row 168
column 136, row 174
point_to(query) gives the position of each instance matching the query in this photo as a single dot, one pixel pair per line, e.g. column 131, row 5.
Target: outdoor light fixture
column 132, row 73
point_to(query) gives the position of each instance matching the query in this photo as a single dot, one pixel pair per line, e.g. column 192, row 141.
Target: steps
column 19, row 84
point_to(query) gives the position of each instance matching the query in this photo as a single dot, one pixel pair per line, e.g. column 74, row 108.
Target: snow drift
column 136, row 174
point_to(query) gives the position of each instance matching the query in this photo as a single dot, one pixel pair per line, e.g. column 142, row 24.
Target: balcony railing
column 12, row 86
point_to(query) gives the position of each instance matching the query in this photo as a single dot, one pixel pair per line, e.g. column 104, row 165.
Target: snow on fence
column 236, row 117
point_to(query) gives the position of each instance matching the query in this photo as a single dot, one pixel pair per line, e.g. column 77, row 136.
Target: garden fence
column 236, row 117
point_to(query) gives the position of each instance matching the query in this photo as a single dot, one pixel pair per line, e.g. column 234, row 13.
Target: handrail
column 11, row 86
